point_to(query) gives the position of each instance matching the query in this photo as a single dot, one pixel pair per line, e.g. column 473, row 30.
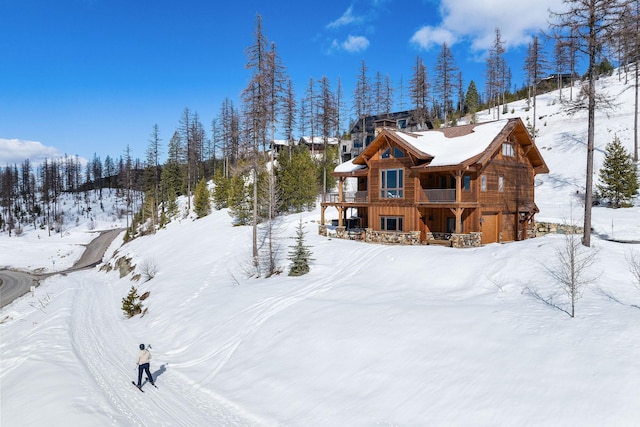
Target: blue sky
column 80, row 77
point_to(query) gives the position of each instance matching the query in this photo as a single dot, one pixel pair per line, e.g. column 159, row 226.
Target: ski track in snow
column 265, row 309
column 95, row 335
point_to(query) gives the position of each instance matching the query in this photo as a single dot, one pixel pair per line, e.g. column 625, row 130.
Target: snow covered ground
column 374, row 335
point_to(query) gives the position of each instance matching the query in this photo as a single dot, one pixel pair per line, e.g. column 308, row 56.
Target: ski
column 136, row 386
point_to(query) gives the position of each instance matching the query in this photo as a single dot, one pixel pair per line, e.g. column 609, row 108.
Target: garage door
column 490, row 228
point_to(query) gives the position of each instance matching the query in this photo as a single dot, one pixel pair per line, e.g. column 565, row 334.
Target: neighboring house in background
column 346, row 150
column 363, row 131
column 460, row 186
column 316, row 144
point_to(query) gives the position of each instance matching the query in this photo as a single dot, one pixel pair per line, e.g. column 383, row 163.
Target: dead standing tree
column 587, row 23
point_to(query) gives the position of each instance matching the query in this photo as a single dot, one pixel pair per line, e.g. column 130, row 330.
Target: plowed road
column 14, row 284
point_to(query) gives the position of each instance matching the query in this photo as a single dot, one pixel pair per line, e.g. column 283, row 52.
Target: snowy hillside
column 374, row 335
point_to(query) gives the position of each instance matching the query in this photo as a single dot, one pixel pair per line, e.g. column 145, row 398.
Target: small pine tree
column 618, row 175
column 472, row 99
column 221, row 191
column 164, row 220
column 240, row 203
column 300, row 255
column 131, row 303
column 201, row 199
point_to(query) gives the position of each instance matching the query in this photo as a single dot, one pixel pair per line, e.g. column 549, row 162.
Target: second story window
column 507, row 149
column 466, row 182
column 483, row 183
column 391, row 183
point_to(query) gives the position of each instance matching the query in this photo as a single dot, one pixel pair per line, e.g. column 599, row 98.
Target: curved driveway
column 14, row 284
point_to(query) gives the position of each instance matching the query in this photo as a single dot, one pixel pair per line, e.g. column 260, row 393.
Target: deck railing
column 437, row 195
column 349, row 197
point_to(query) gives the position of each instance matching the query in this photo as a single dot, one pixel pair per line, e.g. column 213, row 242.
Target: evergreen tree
column 221, row 185
column 201, row 199
column 131, row 304
column 172, row 174
column 300, row 255
column 240, row 200
column 297, row 181
column 619, row 174
column 472, row 99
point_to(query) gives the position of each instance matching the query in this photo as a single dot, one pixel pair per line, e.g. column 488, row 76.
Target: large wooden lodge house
column 461, row 186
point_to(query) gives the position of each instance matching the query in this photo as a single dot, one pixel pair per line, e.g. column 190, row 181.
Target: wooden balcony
column 353, row 197
column 437, row 195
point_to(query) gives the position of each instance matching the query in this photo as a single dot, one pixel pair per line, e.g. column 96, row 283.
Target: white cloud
column 15, row 151
column 355, row 44
column 346, row 18
column 428, row 37
column 476, row 21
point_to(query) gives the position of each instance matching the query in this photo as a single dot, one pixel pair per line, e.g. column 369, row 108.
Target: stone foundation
column 471, row 240
column 542, row 228
column 392, row 237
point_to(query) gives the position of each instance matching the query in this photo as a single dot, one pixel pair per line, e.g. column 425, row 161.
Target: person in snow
column 144, row 356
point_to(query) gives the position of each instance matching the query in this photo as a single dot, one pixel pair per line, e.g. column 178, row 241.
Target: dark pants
column 144, row 367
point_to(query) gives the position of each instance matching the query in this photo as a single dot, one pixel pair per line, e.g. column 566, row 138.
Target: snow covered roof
column 348, row 166
column 318, row 140
column 452, row 146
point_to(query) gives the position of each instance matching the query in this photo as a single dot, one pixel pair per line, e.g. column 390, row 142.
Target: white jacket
column 144, row 357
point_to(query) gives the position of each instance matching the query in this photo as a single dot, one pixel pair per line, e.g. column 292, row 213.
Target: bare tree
column 561, row 62
column 633, row 259
column 419, row 91
column 289, row 112
column 362, row 99
column 256, row 107
column 627, row 39
column 571, row 269
column 378, row 93
column 445, row 70
column 401, row 94
column 535, row 67
column 587, row 23
column 310, row 101
column 495, row 72
column 327, row 112
column 152, row 172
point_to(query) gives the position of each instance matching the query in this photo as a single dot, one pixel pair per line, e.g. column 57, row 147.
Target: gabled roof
column 455, row 147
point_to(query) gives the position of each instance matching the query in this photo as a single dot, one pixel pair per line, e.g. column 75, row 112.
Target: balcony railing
column 349, row 197
column 446, row 195
column 437, row 195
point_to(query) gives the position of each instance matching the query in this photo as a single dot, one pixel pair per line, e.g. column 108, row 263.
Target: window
column 397, row 153
column 483, row 183
column 501, row 184
column 391, row 223
column 391, row 183
column 507, row 149
column 466, row 182
column 402, row 124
